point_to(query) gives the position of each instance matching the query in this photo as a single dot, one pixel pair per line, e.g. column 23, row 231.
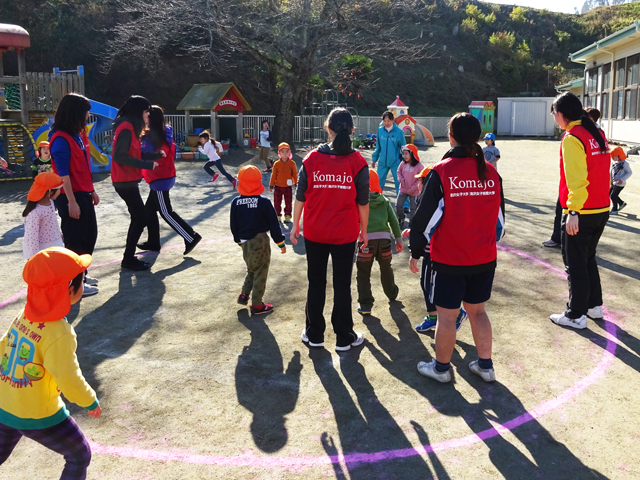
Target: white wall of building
column 522, row 116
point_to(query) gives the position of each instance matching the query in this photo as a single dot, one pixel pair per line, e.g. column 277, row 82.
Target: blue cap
column 489, row 136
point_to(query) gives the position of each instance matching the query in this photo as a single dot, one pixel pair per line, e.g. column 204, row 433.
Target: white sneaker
column 90, row 281
column 578, row 323
column 358, row 341
column 305, row 339
column 89, row 290
column 595, row 313
column 488, row 375
column 429, row 370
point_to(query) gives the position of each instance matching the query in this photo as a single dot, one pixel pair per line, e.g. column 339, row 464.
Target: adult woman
column 159, row 137
column 461, row 213
column 70, row 158
column 388, row 150
column 584, row 197
column 333, row 191
column 128, row 161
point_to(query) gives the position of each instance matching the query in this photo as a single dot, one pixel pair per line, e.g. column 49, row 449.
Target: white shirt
column 210, row 151
column 41, row 230
column 263, row 138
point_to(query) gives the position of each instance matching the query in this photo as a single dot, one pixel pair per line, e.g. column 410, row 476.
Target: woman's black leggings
column 130, row 193
column 218, row 164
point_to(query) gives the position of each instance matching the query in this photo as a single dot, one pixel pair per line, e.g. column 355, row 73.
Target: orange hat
column 250, row 181
column 619, row 152
column 43, row 144
column 285, row 145
column 374, row 181
column 48, row 274
column 425, row 171
column 42, row 184
column 413, row 149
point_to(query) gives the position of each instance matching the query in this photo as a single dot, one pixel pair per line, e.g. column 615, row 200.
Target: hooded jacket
column 381, row 217
column 388, row 146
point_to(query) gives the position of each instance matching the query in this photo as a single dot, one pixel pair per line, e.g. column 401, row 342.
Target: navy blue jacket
column 253, row 215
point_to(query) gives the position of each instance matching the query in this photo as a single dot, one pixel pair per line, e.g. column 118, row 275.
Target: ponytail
column 342, row 143
column 465, row 129
column 590, row 127
column 570, row 107
column 340, row 122
column 475, row 151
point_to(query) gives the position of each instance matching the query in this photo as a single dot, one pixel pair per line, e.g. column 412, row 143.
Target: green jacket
column 381, row 216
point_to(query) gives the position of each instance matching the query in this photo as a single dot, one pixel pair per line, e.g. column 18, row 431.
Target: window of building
column 606, row 77
column 605, row 105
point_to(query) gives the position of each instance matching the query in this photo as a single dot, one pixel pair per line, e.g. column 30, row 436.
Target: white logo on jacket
column 467, row 184
column 329, row 180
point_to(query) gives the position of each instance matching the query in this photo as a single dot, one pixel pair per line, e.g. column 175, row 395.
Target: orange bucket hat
column 425, row 171
column 44, row 143
column 42, row 184
column 48, row 274
column 413, row 149
column 250, row 181
column 619, row 152
column 374, row 181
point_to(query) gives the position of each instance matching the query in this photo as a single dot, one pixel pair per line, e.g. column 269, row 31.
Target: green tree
column 518, row 14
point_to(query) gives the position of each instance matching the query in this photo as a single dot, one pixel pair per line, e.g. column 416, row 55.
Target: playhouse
column 414, row 133
column 485, row 113
column 226, row 106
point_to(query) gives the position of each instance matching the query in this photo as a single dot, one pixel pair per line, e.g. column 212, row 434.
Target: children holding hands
column 283, row 178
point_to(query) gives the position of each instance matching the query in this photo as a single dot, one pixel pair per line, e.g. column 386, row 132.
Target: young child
column 43, row 161
column 252, row 215
column 210, row 148
column 264, row 141
column 491, row 152
column 283, row 177
column 409, row 184
column 620, row 172
column 41, row 228
column 381, row 217
column 431, row 320
column 39, row 362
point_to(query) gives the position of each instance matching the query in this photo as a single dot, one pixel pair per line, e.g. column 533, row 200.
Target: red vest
column 124, row 173
column 166, row 166
column 79, row 163
column 466, row 234
column 330, row 211
column 598, row 164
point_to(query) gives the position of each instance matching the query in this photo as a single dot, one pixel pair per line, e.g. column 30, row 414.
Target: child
column 381, row 217
column 39, row 362
column 252, row 215
column 43, row 161
column 264, row 138
column 41, row 228
column 283, row 178
column 210, row 148
column 431, row 320
column 409, row 184
column 620, row 172
column 491, row 152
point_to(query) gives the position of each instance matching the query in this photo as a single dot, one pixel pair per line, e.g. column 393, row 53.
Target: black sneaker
column 191, row 245
column 135, row 264
column 622, row 205
column 148, row 247
column 243, row 299
column 551, row 244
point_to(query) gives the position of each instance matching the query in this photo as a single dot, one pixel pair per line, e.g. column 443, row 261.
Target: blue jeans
column 383, row 171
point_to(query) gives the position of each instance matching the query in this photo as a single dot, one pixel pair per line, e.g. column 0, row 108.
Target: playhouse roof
column 13, row 36
column 402, row 118
column 480, row 104
column 206, row 96
column 397, row 103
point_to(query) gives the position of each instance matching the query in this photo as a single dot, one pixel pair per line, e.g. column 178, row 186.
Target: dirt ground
column 193, row 387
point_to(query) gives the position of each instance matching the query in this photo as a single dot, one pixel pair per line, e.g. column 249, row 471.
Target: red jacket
column 462, row 216
column 124, row 173
column 166, row 166
column 80, row 162
column 330, row 210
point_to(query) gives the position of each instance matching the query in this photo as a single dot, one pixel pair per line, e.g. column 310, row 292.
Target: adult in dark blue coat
column 388, row 152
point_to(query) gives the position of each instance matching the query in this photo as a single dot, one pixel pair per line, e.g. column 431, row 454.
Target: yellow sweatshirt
column 38, row 362
column 284, row 174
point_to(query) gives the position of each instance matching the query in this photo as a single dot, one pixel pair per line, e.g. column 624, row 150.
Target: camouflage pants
column 257, row 255
column 379, row 250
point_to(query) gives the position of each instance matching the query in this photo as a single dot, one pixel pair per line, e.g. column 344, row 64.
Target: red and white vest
column 331, row 212
column 124, row 173
column 166, row 166
column 80, row 162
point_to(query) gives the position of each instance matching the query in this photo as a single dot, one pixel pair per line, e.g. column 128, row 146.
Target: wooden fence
column 45, row 90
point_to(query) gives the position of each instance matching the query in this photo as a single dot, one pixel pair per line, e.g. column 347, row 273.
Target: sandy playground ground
column 193, row 387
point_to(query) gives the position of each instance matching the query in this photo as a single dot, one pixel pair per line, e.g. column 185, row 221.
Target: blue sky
column 566, row 6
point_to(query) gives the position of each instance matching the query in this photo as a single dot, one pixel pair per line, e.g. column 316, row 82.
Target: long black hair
column 157, row 130
column 71, row 114
column 133, row 109
column 340, row 122
column 571, row 107
column 31, row 205
column 465, row 129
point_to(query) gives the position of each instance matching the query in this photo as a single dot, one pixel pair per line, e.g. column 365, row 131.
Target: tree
column 291, row 40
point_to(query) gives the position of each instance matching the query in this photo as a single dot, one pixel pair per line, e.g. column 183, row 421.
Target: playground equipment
column 485, row 113
column 409, row 125
column 313, row 117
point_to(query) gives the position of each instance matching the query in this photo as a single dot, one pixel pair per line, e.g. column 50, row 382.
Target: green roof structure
column 627, row 34
column 214, row 96
column 578, row 82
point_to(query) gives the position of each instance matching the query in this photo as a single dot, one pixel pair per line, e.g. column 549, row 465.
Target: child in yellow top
column 283, row 177
column 39, row 362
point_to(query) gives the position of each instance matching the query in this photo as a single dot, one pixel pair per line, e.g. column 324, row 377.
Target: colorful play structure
column 485, row 112
column 414, row 133
column 25, row 119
